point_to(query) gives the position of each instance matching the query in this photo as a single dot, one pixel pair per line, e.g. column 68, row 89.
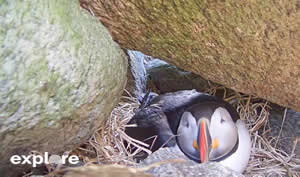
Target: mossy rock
column 61, row 74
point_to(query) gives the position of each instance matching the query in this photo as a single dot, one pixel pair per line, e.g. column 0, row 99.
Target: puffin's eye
column 222, row 120
column 187, row 124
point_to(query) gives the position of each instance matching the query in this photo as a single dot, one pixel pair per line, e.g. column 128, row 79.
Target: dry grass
column 266, row 159
column 107, row 142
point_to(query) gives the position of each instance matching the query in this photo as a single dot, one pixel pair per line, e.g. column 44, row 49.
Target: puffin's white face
column 208, row 138
column 223, row 132
column 187, row 133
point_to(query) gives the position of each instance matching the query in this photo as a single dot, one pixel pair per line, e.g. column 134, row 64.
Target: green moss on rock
column 60, row 75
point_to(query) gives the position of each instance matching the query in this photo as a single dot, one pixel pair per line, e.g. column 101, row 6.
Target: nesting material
column 266, row 160
column 107, row 143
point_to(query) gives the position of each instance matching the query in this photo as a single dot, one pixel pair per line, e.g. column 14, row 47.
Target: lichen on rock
column 177, row 164
column 60, row 75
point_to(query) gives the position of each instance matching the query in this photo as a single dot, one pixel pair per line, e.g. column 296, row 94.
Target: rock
column 60, row 76
column 290, row 130
column 168, row 78
column 187, row 168
column 166, row 162
column 250, row 47
column 137, row 77
column 159, row 76
column 106, row 171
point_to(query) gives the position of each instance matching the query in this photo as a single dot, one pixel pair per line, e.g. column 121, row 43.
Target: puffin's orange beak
column 203, row 142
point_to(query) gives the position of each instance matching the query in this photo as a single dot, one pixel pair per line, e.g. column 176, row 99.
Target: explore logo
column 34, row 159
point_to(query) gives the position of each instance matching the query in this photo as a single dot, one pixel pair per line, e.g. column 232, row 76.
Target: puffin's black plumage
column 160, row 116
column 206, row 109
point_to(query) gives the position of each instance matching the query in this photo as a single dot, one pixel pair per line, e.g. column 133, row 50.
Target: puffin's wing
column 181, row 99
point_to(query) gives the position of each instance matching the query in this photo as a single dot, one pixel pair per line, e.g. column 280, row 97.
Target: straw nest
column 106, row 147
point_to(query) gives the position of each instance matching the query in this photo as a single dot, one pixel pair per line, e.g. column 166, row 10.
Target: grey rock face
column 60, row 76
column 188, row 168
column 290, row 130
column 168, row 78
column 165, row 77
column 137, row 77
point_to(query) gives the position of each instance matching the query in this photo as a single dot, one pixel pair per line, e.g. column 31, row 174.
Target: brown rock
column 249, row 46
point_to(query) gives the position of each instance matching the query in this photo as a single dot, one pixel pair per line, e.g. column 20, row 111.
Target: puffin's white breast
column 239, row 159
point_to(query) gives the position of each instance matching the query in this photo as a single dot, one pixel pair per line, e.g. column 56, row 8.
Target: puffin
column 158, row 116
column 212, row 131
column 204, row 127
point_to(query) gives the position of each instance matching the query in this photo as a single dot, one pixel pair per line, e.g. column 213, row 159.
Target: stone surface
column 137, row 76
column 187, row 168
column 166, row 162
column 159, row 76
column 290, row 130
column 248, row 46
column 168, row 78
column 60, row 76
